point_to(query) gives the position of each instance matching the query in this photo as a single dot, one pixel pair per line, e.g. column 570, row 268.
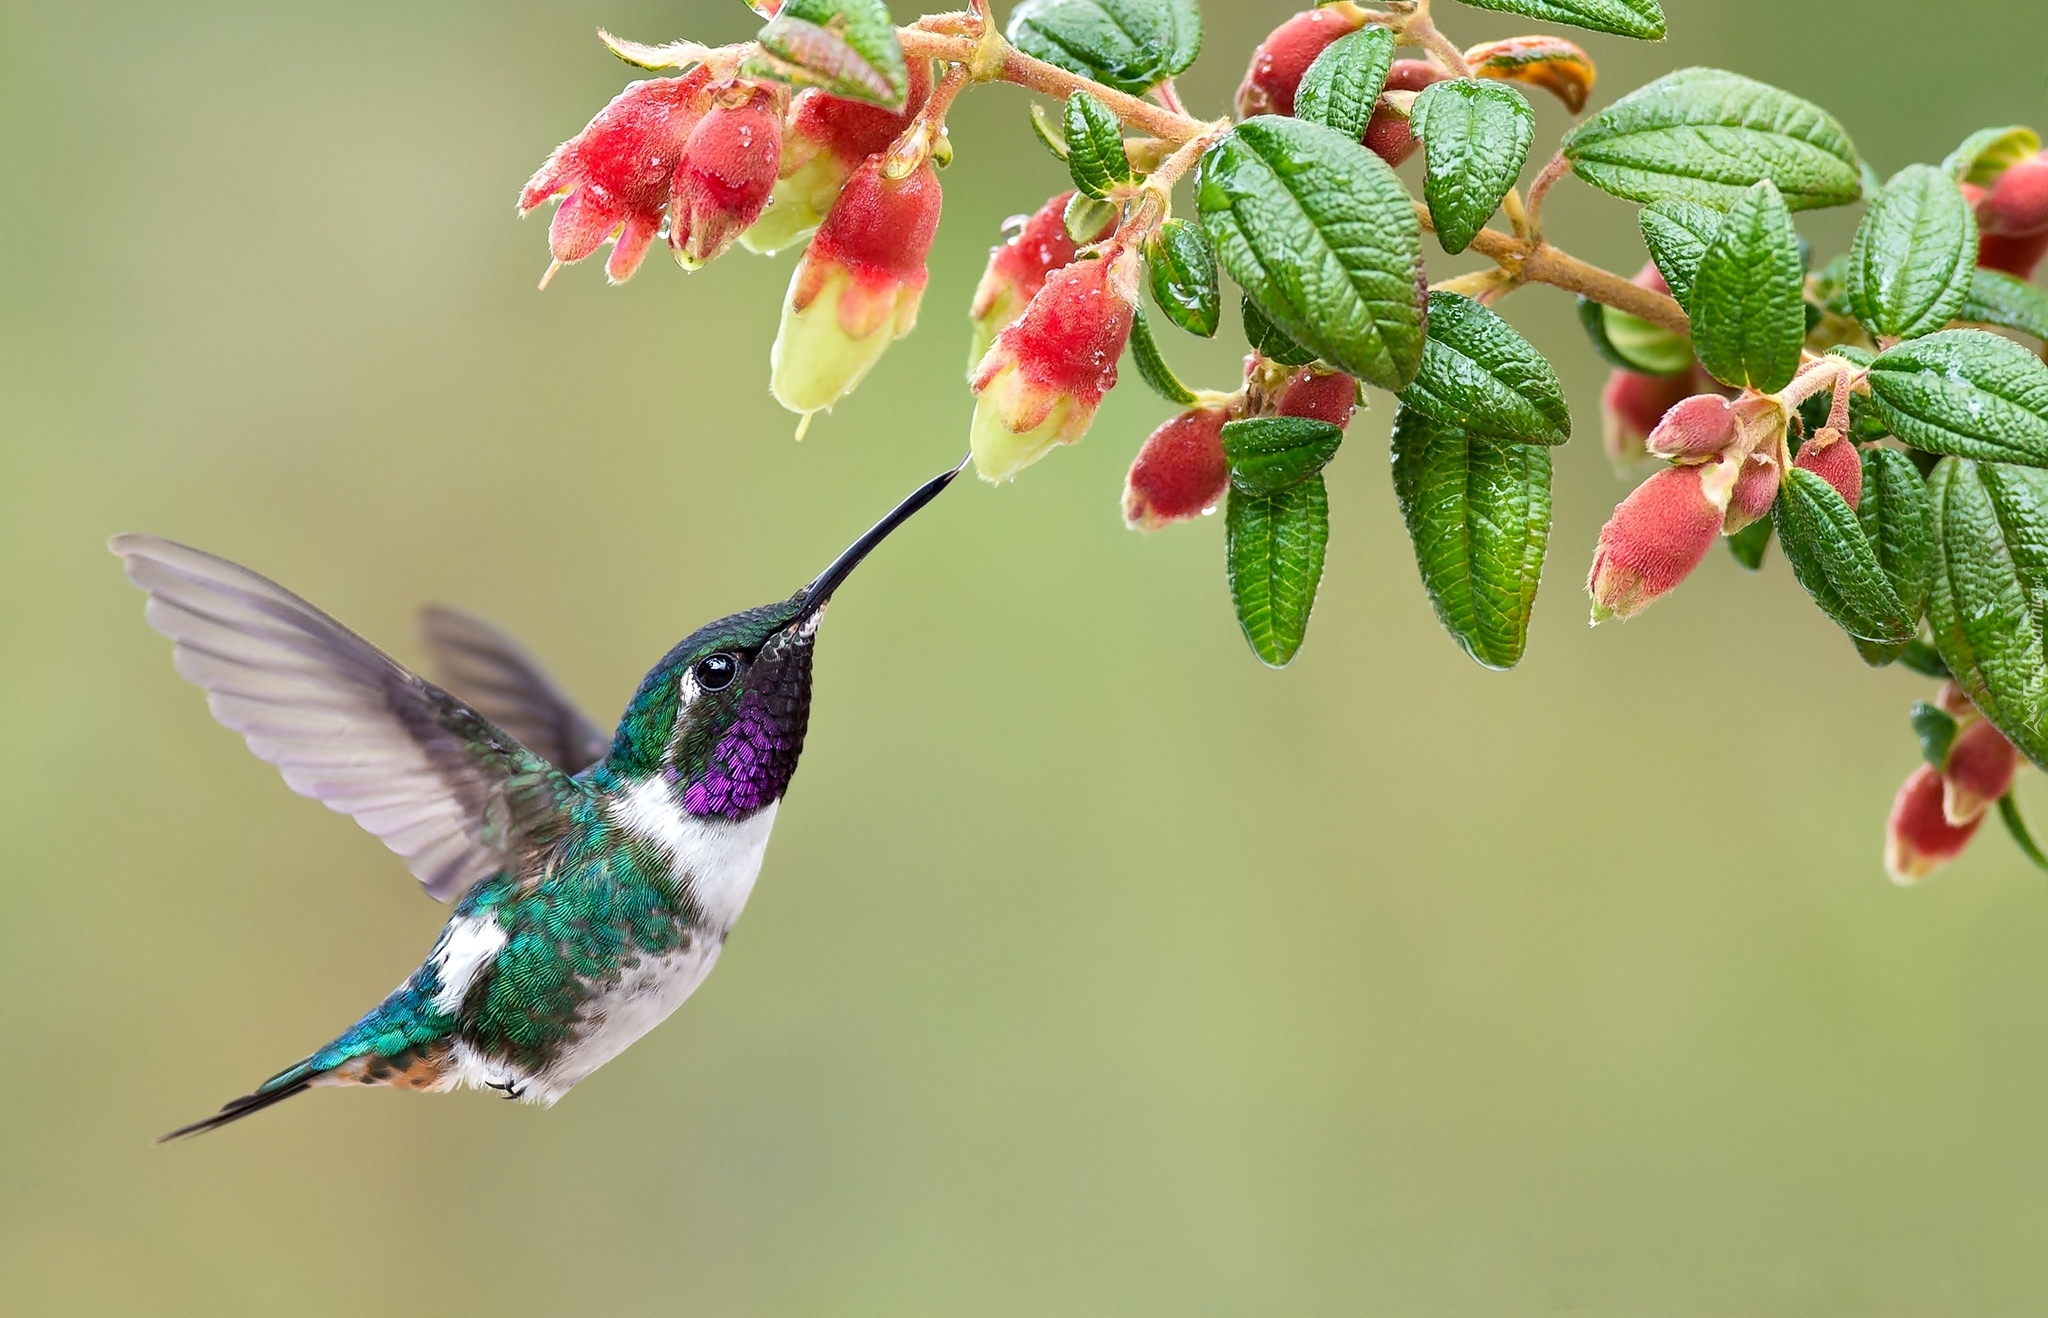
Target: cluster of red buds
column 2012, row 217
column 1283, row 58
column 1939, row 807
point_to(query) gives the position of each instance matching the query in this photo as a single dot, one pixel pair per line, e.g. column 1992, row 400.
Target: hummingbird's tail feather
column 237, row 1108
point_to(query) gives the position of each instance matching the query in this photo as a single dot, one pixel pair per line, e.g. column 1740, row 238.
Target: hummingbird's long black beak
column 819, row 591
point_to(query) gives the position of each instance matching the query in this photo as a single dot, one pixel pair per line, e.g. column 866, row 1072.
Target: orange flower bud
column 1180, row 472
column 1981, row 763
column 1656, row 537
column 1918, row 838
column 1552, row 63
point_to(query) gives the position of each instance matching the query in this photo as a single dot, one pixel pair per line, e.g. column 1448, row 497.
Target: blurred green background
column 1095, row 969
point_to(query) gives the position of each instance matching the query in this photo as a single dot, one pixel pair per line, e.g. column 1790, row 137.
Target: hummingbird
column 594, row 879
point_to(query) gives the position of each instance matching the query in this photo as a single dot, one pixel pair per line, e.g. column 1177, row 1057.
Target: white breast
column 715, row 860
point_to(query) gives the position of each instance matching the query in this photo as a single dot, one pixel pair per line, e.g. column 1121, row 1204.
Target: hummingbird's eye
column 716, row 672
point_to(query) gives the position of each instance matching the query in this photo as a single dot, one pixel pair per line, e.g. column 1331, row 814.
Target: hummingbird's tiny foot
column 510, row 1088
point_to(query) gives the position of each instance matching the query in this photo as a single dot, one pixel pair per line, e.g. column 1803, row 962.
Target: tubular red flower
column 1918, row 838
column 827, row 139
column 1654, row 540
column 1980, row 767
column 1018, row 269
column 1834, row 459
column 1387, row 134
column 2017, row 203
column 1693, row 429
column 619, row 171
column 858, row 286
column 728, row 167
column 1284, row 56
column 1319, row 395
column 1045, row 375
column 1180, row 472
column 2017, row 256
column 1631, row 406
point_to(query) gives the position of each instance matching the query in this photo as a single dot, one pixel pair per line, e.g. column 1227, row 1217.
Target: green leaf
column 1180, row 264
column 847, row 47
column 1342, row 86
column 1475, row 139
column 1909, row 268
column 1087, row 216
column 1152, row 367
column 1133, row 45
column 1965, row 392
column 1319, row 232
column 1898, row 521
column 1989, row 152
column 1269, row 454
column 1923, row 659
column 1632, row 343
column 1748, row 305
column 1478, row 512
column 1707, row 135
column 2016, row 826
column 1748, row 544
column 1989, row 595
column 1052, row 135
column 1480, row 376
column 1643, row 19
column 1996, row 298
column 1936, row 729
column 1267, row 340
column 1677, row 234
column 1095, row 146
column 1832, row 559
column 1273, row 548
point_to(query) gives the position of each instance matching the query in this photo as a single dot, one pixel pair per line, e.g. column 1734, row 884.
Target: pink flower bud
column 618, row 172
column 1656, row 537
column 2018, row 256
column 1918, row 837
column 857, row 288
column 1319, row 395
column 1835, row 460
column 1018, row 269
column 1387, row 134
column 1042, row 380
column 1981, row 763
column 1951, row 700
column 1756, row 489
column 2017, row 203
column 1180, row 472
column 1630, row 408
column 1284, row 56
column 827, row 139
column 1693, row 430
column 728, row 168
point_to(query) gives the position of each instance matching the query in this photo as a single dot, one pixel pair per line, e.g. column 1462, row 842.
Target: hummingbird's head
column 722, row 716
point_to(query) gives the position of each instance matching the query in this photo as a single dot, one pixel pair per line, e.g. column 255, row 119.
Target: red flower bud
column 1655, row 538
column 1180, row 472
column 728, row 168
column 1918, row 837
column 1834, row 459
column 618, row 172
column 1693, row 430
column 2018, row 256
column 2017, row 203
column 857, row 288
column 1981, row 763
column 1042, row 380
column 1387, row 134
column 1756, row 489
column 1284, row 56
column 827, row 139
column 1018, row 269
column 1318, row 395
column 1630, row 408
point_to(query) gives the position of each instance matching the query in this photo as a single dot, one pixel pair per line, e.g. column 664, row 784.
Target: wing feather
column 505, row 684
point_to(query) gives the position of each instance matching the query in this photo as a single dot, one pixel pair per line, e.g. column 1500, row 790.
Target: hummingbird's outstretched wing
column 501, row 681
column 346, row 724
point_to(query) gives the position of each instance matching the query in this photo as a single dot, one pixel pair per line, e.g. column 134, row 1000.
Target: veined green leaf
column 1748, row 308
column 1643, row 19
column 1095, row 146
column 1266, row 339
column 1632, row 343
column 1748, row 544
column 1132, row 45
column 1898, row 521
column 1909, row 268
column 1480, row 376
column 847, row 47
column 1936, row 729
column 1677, row 234
column 1087, row 216
column 1268, row 454
column 1475, row 139
column 1152, row 367
column 1834, row 561
column 1988, row 597
column 1965, row 392
column 1989, row 152
column 1342, row 86
column 1273, row 547
column 1180, row 264
column 1478, row 512
column 1054, row 136
column 1996, row 298
column 1322, row 236
column 1707, row 135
